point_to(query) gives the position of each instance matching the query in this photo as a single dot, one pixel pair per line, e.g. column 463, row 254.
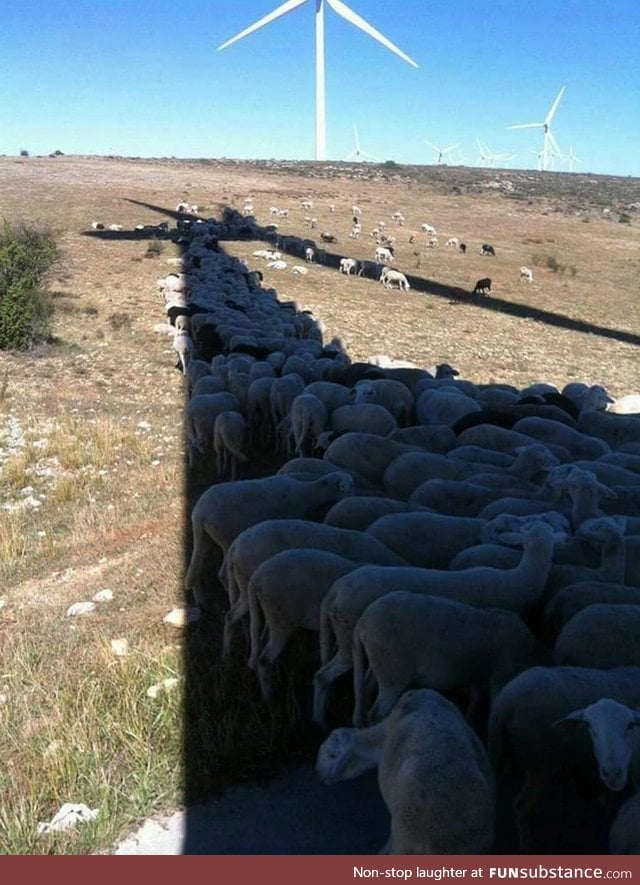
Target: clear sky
column 143, row 78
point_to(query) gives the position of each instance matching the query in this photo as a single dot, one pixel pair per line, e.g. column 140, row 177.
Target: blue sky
column 143, row 77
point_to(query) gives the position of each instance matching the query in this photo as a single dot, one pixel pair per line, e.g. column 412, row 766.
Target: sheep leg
column 278, row 640
column 235, row 614
column 200, row 546
column 322, row 681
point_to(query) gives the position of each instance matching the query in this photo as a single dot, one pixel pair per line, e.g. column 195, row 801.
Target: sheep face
column 337, row 757
column 611, row 729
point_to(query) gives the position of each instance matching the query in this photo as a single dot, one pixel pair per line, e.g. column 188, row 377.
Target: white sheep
column 309, row 254
column 432, row 242
column 361, row 511
column 624, row 835
column 200, row 414
column 285, row 594
column 436, row 643
column 626, row 405
column 348, row 266
column 366, row 454
column 229, row 442
column 183, row 346
column 424, row 751
column 602, row 635
column 225, row 510
column 382, row 254
column 363, row 417
column 309, row 418
column 258, row 543
column 525, row 731
column 428, row 229
column 394, row 396
column 393, row 279
column 300, row 270
column 278, row 264
column 453, row 241
column 572, row 599
column 514, row 589
column 526, row 275
column 427, row 540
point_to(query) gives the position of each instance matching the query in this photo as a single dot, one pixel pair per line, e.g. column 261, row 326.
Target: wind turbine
column 440, row 152
column 571, row 157
column 548, row 140
column 487, row 158
column 339, row 7
column 357, row 153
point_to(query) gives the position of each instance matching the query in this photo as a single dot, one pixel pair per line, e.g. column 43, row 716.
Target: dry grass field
column 92, row 485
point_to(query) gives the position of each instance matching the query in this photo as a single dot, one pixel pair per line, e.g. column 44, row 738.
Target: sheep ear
column 571, row 720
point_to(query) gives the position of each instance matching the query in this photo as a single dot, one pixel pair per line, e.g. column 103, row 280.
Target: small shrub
column 625, row 218
column 154, row 249
column 26, row 254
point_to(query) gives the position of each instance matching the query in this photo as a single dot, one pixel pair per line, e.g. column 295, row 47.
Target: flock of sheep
column 470, row 552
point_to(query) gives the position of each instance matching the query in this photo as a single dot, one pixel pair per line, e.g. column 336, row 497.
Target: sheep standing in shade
column 424, row 751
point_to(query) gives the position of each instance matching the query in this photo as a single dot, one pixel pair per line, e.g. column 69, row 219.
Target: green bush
column 26, row 254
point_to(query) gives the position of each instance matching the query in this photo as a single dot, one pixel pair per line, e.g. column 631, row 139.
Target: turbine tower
column 548, row 141
column 339, row 7
column 357, row 153
column 440, row 152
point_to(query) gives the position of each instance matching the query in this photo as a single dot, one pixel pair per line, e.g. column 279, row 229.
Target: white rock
column 120, row 647
column 180, row 617
column 80, row 608
column 103, row 596
column 164, row 686
column 68, row 816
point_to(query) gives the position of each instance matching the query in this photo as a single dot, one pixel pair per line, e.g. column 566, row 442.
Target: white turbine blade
column 359, row 22
column 272, row 16
column 450, row 148
column 526, row 126
column 433, row 147
column 554, row 107
column 554, row 145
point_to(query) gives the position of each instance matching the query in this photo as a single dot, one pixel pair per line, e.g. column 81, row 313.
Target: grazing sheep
column 393, row 279
column 462, row 248
column 424, row 751
column 428, row 229
column 349, row 266
column 453, row 241
column 427, row 540
column 299, row 270
column 229, row 442
column 482, row 287
column 436, row 643
column 526, row 275
column 383, row 253
column 225, row 510
column 486, row 249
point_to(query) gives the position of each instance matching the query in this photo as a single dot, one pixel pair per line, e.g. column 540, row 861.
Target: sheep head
column 611, row 727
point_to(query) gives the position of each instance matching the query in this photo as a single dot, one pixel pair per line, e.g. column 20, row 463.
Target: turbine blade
column 348, row 14
column 272, row 16
column 526, row 126
column 554, row 145
column 554, row 107
column 433, row 147
column 450, row 148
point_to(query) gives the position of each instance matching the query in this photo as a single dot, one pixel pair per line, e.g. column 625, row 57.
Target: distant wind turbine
column 549, row 145
column 357, row 153
column 441, row 152
column 344, row 12
column 571, row 157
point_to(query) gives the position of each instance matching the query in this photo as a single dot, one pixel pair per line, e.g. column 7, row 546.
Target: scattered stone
column 80, row 608
column 69, row 816
column 164, row 686
column 180, row 617
column 120, row 647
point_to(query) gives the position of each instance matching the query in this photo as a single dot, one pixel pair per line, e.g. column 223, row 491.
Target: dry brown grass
column 110, row 516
